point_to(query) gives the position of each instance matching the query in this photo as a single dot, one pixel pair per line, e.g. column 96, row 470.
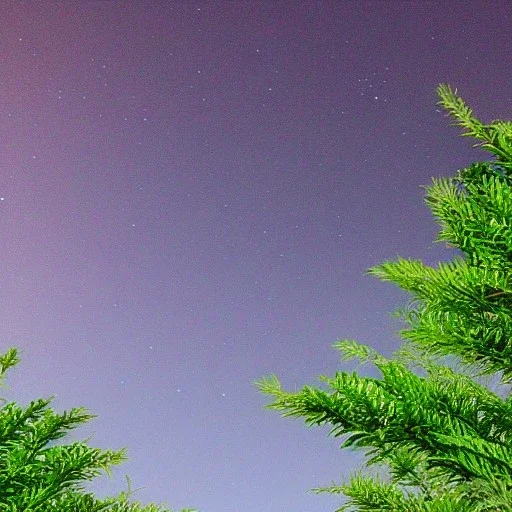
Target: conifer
column 431, row 421
column 37, row 477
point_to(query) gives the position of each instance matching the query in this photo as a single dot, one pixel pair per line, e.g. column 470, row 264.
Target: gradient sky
column 190, row 194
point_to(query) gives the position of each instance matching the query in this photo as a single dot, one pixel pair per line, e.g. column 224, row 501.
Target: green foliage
column 496, row 137
column 443, row 432
column 38, row 478
column 444, row 438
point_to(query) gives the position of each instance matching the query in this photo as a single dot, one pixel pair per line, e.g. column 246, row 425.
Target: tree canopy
column 36, row 477
column 444, row 438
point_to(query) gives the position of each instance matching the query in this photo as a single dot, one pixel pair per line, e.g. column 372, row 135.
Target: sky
column 190, row 195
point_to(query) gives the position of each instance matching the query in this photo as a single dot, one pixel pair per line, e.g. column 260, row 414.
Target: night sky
column 190, row 194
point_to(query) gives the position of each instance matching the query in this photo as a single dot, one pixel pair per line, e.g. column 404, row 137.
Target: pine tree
column 441, row 435
column 37, row 478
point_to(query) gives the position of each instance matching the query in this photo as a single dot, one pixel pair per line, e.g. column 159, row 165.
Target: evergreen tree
column 443, row 436
column 38, row 478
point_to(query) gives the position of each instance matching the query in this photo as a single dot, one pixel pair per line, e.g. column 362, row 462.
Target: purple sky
column 191, row 193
